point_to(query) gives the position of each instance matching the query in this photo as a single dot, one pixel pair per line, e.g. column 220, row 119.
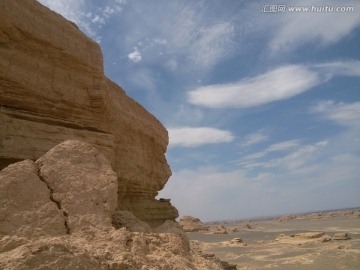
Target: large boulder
column 81, row 182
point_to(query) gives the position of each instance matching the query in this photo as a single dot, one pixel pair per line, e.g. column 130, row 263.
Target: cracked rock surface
column 81, row 182
column 26, row 208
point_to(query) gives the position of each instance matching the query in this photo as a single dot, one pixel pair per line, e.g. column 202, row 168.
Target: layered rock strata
column 53, row 88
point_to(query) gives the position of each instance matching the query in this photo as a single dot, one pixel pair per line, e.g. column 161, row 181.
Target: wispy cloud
column 278, row 84
column 80, row 12
column 212, row 44
column 338, row 68
column 297, row 158
column 342, row 113
column 276, row 147
column 255, row 138
column 143, row 79
column 180, row 36
column 290, row 155
column 294, row 29
column 197, row 136
column 281, row 83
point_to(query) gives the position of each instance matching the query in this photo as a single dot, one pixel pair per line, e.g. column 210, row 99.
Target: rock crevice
column 57, row 202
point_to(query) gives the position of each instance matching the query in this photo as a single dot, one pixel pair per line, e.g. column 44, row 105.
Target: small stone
column 341, row 236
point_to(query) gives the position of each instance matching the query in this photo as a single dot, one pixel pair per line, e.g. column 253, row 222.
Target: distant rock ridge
column 53, row 88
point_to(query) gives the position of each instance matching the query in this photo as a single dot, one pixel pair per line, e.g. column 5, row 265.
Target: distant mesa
column 192, row 224
column 220, row 229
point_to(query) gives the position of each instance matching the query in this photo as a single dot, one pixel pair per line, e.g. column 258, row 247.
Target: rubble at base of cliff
column 60, row 211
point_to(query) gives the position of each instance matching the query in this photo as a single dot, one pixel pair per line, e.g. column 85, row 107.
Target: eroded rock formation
column 53, row 88
column 191, row 224
column 59, row 212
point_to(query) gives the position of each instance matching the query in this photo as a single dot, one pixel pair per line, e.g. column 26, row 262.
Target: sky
column 261, row 99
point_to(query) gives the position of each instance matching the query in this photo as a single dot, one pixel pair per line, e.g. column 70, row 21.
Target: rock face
column 191, row 224
column 53, row 88
column 59, row 212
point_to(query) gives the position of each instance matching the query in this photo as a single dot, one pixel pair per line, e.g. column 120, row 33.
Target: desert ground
column 326, row 241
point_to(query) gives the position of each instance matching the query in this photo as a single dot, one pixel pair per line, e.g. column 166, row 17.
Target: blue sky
column 262, row 108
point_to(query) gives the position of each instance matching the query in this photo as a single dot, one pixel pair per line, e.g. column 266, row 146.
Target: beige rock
column 341, row 236
column 247, row 226
column 26, row 207
column 235, row 242
column 220, row 229
column 53, row 88
column 126, row 219
column 81, row 182
column 191, row 224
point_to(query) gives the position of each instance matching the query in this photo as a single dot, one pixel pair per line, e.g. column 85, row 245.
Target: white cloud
column 294, row 29
column 135, row 56
column 197, row 136
column 278, row 84
column 343, row 113
column 281, row 83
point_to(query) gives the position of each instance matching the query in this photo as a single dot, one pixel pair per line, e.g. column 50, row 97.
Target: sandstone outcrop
column 53, row 88
column 220, row 229
column 191, row 224
column 58, row 213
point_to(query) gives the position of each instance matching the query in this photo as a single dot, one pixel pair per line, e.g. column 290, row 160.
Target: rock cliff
column 53, row 88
